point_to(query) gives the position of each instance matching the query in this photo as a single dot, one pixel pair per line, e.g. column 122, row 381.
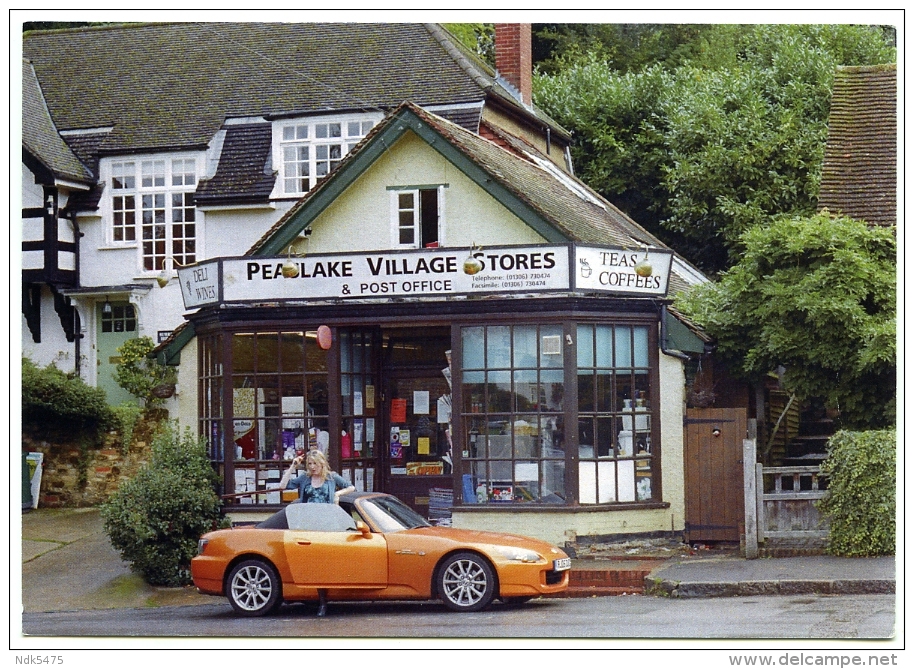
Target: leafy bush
column 155, row 519
column 860, row 504
column 815, row 295
column 127, row 416
column 53, row 400
column 139, row 374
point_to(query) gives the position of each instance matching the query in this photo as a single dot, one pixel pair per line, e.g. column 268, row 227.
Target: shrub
column 139, row 374
column 860, row 504
column 53, row 400
column 127, row 416
column 155, row 519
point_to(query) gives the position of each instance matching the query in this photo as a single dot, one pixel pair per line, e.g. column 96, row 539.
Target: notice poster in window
column 359, row 480
column 420, row 402
column 422, row 445
column 357, row 403
column 369, row 397
column 397, row 411
column 357, row 431
column 404, row 438
column 369, row 430
column 369, row 479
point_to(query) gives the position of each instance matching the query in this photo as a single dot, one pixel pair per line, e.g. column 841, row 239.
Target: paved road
column 803, row 617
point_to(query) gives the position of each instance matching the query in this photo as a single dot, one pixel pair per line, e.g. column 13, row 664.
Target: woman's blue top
column 322, row 494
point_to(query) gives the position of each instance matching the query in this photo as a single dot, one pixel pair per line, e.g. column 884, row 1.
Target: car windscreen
column 391, row 515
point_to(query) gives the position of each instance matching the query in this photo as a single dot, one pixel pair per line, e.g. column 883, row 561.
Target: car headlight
column 201, row 546
column 519, row 554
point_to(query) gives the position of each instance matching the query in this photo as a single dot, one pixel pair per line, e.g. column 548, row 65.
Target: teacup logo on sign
column 614, row 270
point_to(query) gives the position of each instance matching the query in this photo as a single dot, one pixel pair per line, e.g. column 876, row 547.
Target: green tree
column 814, row 295
column 155, row 519
column 731, row 137
column 477, row 37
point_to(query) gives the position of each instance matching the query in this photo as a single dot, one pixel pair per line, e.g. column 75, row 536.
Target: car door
column 324, row 549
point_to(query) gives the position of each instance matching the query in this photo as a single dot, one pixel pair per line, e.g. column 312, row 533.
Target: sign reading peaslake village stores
column 425, row 272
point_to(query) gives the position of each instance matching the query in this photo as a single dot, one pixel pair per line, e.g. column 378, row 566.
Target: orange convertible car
column 371, row 547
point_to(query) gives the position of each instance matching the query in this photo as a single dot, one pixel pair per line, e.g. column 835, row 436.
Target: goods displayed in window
column 516, row 448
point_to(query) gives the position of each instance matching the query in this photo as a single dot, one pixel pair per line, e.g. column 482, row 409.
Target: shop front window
column 614, row 414
column 513, row 397
column 280, row 407
column 519, row 440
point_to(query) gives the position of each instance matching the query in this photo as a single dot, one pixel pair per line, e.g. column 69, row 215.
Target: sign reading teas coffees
column 426, row 272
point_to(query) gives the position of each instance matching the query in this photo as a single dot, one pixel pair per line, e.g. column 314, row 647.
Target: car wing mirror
column 363, row 528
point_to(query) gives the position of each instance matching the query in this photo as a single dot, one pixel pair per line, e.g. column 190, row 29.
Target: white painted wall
column 360, row 219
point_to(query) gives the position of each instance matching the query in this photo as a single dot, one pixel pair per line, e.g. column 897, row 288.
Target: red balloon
column 324, row 337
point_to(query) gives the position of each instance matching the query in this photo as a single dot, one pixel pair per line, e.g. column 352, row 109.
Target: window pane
column 641, row 347
column 604, row 346
column 499, row 386
column 585, row 346
column 498, row 347
column 623, row 347
column 552, row 394
column 525, row 346
column 526, row 389
column 551, row 347
column 473, row 348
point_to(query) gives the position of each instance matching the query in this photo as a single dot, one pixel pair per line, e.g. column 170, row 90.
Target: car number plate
column 561, row 564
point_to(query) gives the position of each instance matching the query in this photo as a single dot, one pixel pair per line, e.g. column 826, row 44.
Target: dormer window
column 310, row 149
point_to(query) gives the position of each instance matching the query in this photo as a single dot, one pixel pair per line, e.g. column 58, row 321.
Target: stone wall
column 105, row 468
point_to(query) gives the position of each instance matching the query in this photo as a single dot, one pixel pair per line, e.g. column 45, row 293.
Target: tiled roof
column 167, row 86
column 568, row 205
column 39, row 136
column 245, row 172
column 85, row 146
column 577, row 211
column 859, row 172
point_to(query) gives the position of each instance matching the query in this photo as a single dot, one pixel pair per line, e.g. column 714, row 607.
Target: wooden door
column 714, row 474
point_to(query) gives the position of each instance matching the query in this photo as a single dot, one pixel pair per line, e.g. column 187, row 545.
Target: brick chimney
column 514, row 57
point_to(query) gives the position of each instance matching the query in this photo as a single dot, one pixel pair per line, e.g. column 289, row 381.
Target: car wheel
column 466, row 582
column 254, row 588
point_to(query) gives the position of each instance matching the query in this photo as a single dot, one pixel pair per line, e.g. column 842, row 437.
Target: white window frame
column 313, row 141
column 395, row 226
column 163, row 184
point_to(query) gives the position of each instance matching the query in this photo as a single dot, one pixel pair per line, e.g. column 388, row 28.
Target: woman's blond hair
column 320, row 459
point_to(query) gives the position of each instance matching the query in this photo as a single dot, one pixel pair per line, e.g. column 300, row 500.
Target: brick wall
column 105, row 467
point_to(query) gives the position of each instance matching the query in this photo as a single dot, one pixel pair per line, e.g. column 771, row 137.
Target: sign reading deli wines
column 427, row 272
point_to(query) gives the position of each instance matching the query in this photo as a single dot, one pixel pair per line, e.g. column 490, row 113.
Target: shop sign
column 199, row 284
column 427, row 272
column 614, row 270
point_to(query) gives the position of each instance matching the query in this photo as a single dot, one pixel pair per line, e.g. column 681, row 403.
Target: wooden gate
column 714, row 474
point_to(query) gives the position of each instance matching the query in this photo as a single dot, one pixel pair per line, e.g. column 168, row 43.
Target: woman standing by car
column 318, row 484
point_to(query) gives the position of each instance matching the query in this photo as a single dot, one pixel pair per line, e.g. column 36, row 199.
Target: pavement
column 68, row 564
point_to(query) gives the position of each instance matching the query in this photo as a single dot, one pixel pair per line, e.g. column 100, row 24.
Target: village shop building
column 458, row 323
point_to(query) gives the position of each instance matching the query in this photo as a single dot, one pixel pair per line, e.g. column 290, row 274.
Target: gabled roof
column 40, row 137
column 172, row 85
column 859, row 172
column 555, row 204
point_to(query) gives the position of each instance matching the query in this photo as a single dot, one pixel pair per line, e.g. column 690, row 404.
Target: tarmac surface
column 68, row 564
